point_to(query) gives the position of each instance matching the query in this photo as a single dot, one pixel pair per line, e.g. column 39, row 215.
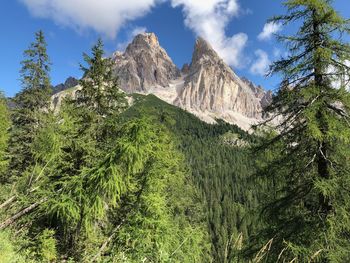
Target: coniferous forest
column 116, row 177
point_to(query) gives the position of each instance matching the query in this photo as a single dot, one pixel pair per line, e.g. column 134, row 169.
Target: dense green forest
column 112, row 177
column 220, row 192
column 93, row 188
column 220, row 166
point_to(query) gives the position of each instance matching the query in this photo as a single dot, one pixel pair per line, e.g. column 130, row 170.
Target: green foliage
column 8, row 251
column 138, row 183
column 308, row 161
column 143, row 183
column 36, row 66
column 95, row 174
column 100, row 90
column 30, row 105
column 118, row 187
column 220, row 171
column 47, row 246
column 159, row 215
column 4, row 133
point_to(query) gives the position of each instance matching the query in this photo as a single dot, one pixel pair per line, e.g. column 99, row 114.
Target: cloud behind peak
column 103, row 16
column 269, row 30
column 206, row 18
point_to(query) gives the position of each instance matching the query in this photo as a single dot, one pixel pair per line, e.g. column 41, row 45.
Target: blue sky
column 72, row 26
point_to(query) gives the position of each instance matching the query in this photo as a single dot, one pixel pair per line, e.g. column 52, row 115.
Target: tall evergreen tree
column 30, row 102
column 100, row 99
column 100, row 88
column 76, row 140
column 308, row 160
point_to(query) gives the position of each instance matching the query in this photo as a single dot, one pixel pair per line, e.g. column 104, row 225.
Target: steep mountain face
column 264, row 96
column 144, row 64
column 69, row 83
column 206, row 87
column 212, row 87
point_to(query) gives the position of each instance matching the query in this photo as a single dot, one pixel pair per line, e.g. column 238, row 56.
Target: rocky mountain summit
column 206, row 87
column 212, row 88
column 144, row 64
column 69, row 83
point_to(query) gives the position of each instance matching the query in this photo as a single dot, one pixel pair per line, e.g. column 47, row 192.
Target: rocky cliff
column 69, row 83
column 264, row 96
column 207, row 87
column 212, row 87
column 144, row 64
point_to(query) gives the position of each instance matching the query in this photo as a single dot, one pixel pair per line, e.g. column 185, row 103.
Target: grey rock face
column 144, row 64
column 207, row 87
column 266, row 99
column 185, row 69
column 264, row 96
column 69, row 83
column 212, row 86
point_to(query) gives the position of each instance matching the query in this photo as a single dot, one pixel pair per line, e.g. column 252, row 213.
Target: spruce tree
column 100, row 99
column 86, row 128
column 99, row 86
column 30, row 103
column 308, row 159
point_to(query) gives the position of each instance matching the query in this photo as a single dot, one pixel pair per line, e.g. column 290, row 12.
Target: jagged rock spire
column 144, row 64
column 203, row 49
column 207, row 87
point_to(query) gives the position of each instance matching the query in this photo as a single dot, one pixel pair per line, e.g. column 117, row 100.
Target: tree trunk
column 104, row 245
column 322, row 161
column 8, row 202
column 21, row 213
column 323, row 172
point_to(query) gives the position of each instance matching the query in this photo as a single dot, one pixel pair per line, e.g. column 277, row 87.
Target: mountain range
column 207, row 87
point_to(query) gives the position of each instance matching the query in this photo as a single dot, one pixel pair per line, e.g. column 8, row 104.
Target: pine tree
column 35, row 70
column 78, row 138
column 138, row 190
column 100, row 99
column 159, row 211
column 30, row 103
column 308, row 159
column 100, row 88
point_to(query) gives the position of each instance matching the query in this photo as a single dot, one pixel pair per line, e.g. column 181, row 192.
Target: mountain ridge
column 206, row 87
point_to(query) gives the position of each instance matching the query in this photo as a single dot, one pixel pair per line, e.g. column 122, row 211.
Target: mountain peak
column 144, row 65
column 203, row 49
column 144, row 40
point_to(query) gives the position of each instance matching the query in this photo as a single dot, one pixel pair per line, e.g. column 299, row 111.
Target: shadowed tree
column 308, row 159
column 100, row 87
column 30, row 103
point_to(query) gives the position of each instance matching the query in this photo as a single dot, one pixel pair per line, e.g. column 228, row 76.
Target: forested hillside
column 221, row 168
column 94, row 188
column 102, row 180
column 116, row 177
column 221, row 194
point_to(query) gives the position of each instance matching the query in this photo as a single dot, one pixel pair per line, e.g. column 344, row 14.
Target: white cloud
column 134, row 32
column 103, row 16
column 340, row 78
column 206, row 18
column 209, row 19
column 261, row 65
column 268, row 30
